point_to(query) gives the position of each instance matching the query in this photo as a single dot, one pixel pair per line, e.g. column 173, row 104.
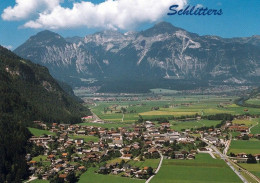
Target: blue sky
column 240, row 17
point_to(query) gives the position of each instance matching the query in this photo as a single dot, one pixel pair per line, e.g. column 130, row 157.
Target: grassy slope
column 38, row 132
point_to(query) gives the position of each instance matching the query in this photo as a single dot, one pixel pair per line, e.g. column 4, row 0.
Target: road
column 225, row 158
column 157, row 170
column 252, row 127
column 227, row 145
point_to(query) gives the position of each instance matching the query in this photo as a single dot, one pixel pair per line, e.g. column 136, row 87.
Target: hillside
column 29, row 92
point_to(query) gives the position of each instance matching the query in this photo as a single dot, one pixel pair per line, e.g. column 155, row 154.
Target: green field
column 38, row 158
column 107, row 125
column 255, row 101
column 169, row 106
column 85, row 138
column 203, row 169
column 245, row 122
column 253, row 168
column 38, row 132
column 256, row 129
column 91, row 177
column 178, row 125
column 245, row 146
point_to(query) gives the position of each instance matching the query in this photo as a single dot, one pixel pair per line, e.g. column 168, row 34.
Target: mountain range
column 161, row 56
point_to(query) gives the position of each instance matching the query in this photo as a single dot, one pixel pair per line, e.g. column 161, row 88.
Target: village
column 69, row 153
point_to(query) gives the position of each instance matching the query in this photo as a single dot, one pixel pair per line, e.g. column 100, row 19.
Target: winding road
column 157, row 170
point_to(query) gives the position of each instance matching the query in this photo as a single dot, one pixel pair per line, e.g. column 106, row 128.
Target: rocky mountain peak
column 161, row 28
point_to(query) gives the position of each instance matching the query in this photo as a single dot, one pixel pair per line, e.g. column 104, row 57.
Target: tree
column 150, row 171
column 71, row 178
column 251, row 159
column 245, row 137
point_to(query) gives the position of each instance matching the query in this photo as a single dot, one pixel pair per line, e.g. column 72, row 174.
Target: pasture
column 203, row 169
column 253, row 168
column 245, row 146
column 38, row 132
column 179, row 125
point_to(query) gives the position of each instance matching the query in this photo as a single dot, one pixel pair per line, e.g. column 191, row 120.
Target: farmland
column 107, row 125
column 245, row 146
column 253, row 168
column 176, row 106
column 179, row 125
column 202, row 169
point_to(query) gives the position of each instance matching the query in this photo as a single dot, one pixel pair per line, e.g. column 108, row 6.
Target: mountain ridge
column 160, row 52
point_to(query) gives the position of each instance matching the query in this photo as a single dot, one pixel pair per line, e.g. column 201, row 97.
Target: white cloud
column 25, row 8
column 111, row 14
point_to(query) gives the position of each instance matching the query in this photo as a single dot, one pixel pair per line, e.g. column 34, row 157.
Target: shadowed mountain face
column 28, row 92
column 163, row 53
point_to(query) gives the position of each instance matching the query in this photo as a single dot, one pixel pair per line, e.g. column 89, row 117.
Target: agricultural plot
column 245, row 146
column 107, row 125
column 169, row 106
column 255, row 101
column 38, row 132
column 178, row 125
column 253, row 168
column 91, row 177
column 203, row 169
column 245, row 122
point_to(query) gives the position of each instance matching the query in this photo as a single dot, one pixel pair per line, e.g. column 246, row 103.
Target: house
column 127, row 156
column 118, row 141
column 242, row 155
column 178, row 155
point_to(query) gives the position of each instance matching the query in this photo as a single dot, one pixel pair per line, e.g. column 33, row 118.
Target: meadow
column 253, row 168
column 203, row 169
column 107, row 125
column 245, row 146
column 180, row 125
column 38, row 132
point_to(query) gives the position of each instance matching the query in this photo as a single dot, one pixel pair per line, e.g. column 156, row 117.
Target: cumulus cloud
column 110, row 14
column 25, row 8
